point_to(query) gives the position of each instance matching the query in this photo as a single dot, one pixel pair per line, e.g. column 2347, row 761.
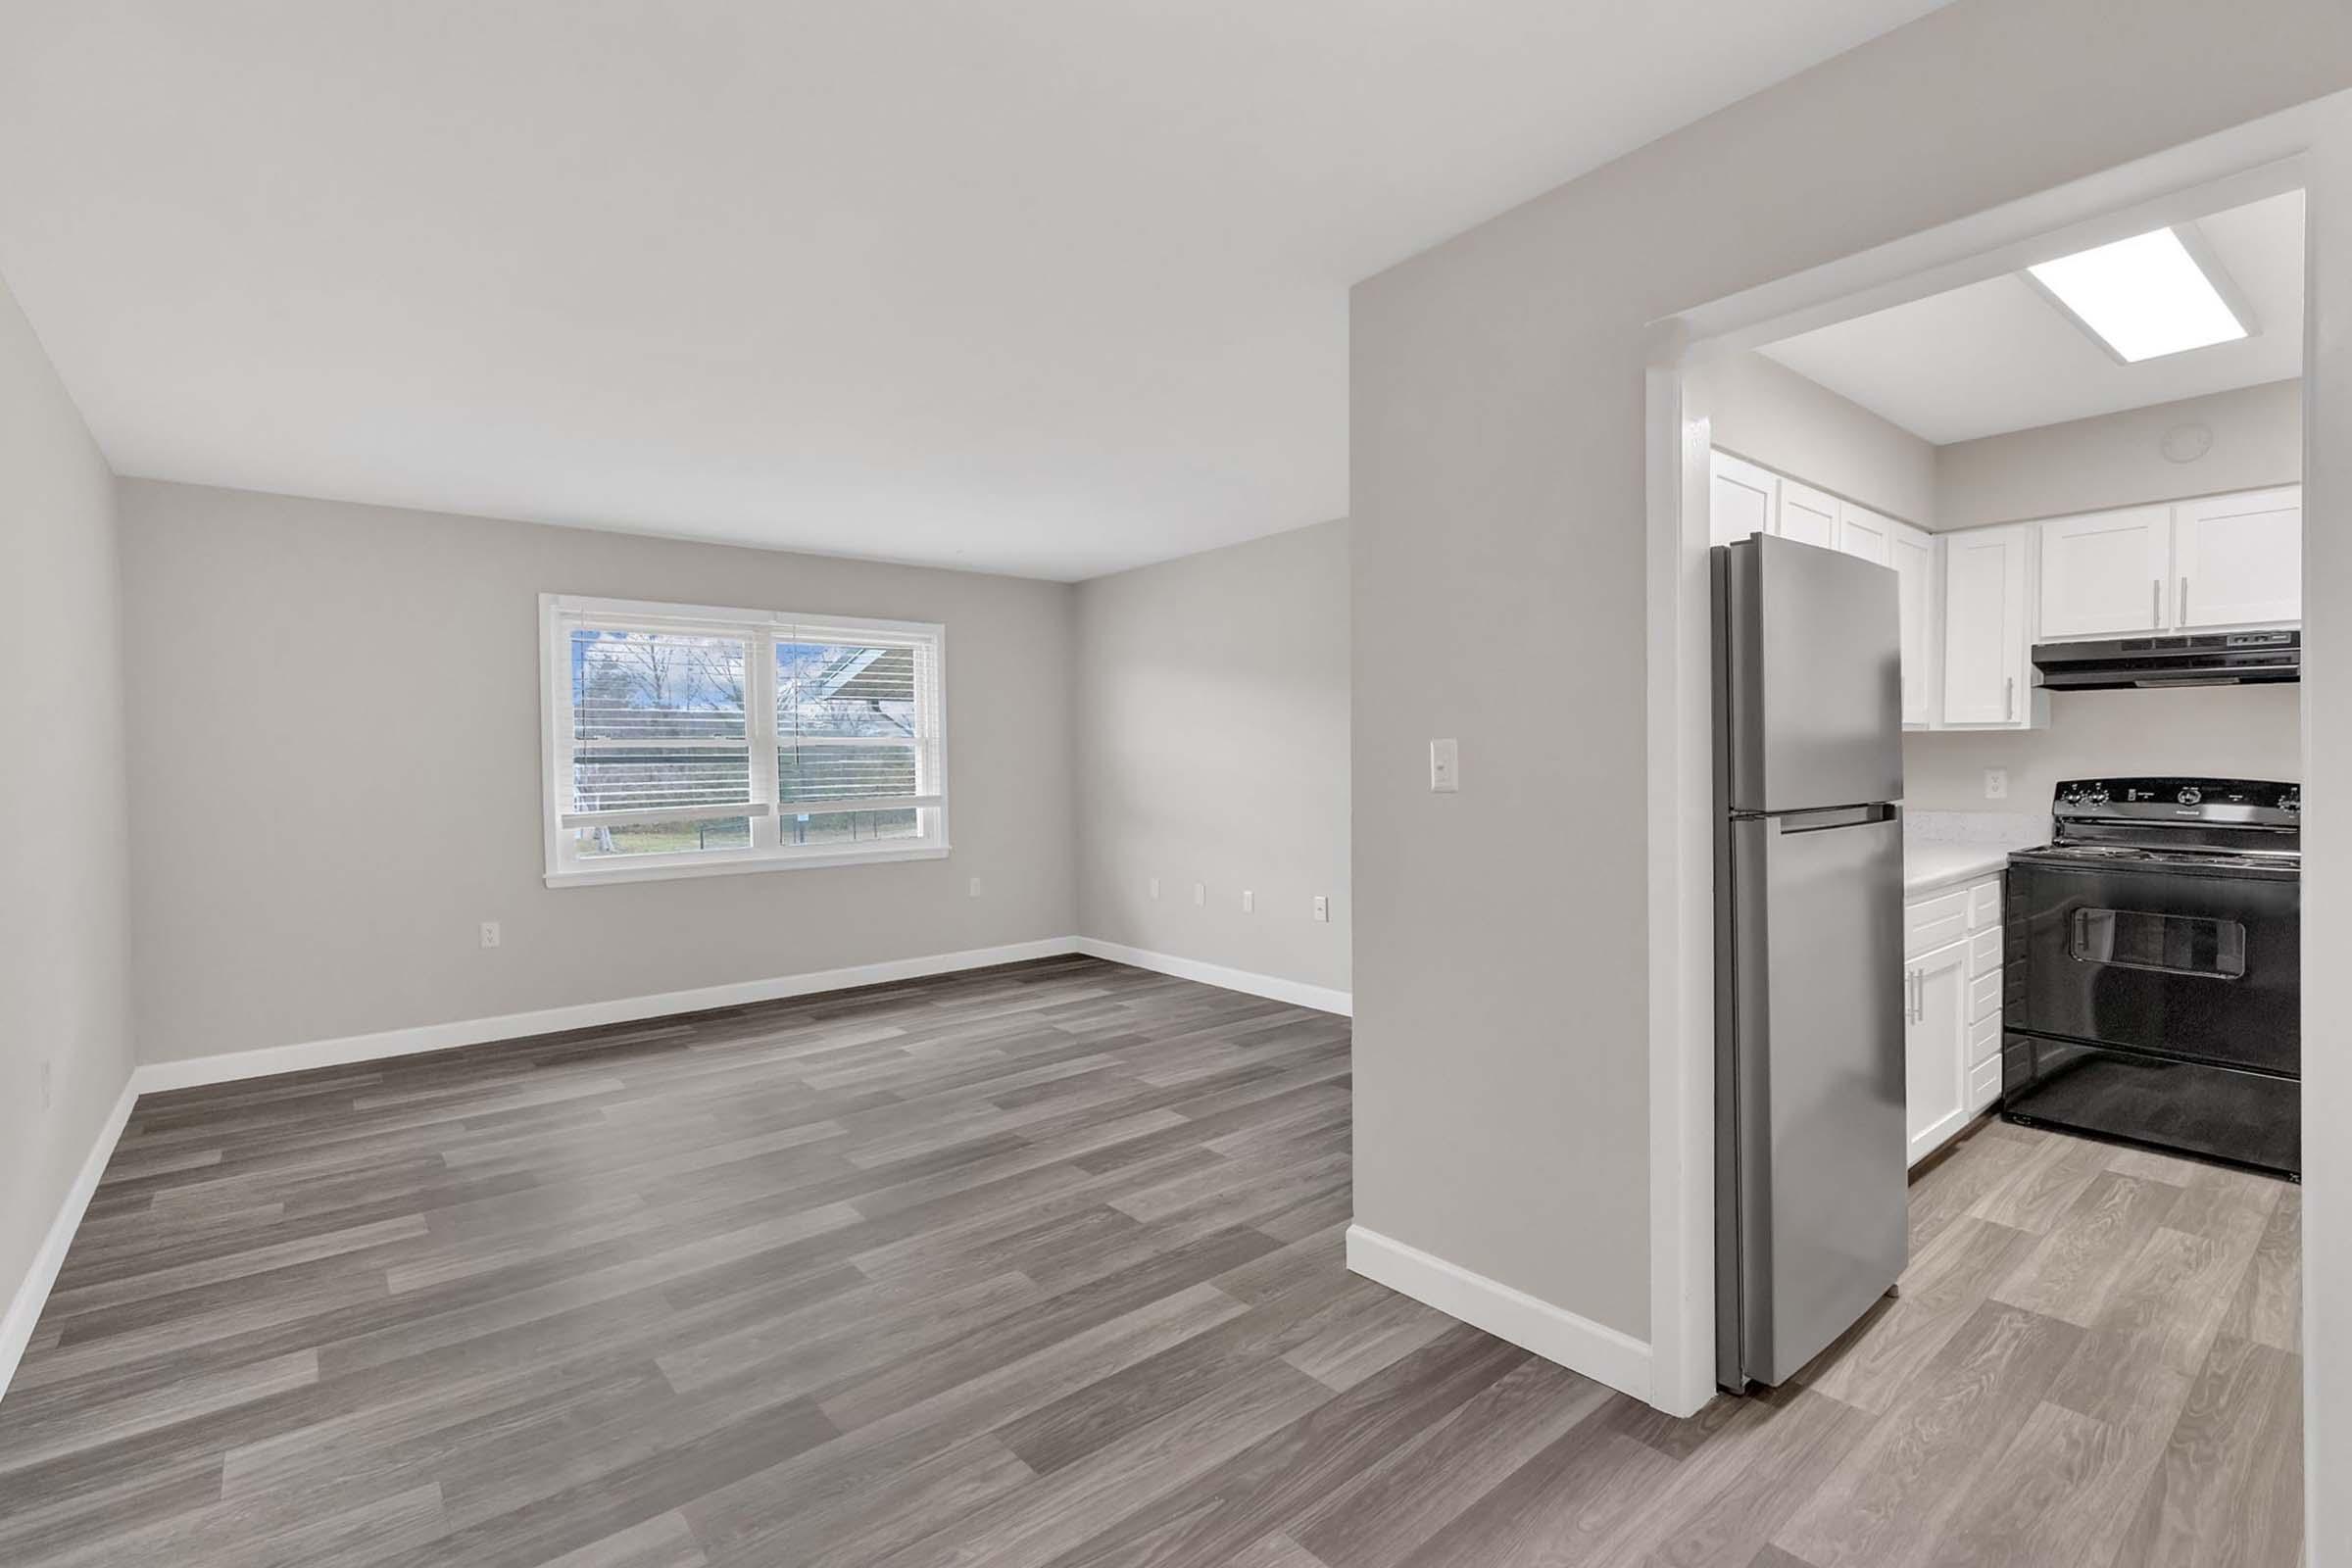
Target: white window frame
column 761, row 630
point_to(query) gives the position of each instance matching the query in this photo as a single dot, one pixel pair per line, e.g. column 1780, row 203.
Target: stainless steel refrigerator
column 1811, row 1201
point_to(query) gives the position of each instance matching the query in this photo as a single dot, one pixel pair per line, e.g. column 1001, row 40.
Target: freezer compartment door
column 1811, row 677
column 1816, row 1061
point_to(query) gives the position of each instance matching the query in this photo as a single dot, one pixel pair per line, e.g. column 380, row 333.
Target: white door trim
column 2261, row 157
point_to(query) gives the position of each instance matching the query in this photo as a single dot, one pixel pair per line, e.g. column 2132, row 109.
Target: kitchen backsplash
column 2220, row 731
column 2009, row 829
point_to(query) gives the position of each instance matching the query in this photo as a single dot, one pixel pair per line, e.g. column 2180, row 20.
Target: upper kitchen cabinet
column 1911, row 551
column 1987, row 626
column 2104, row 574
column 1863, row 532
column 2238, row 561
column 1744, row 499
column 1809, row 515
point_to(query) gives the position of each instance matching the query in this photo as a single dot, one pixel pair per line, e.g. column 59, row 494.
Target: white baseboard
column 33, row 1291
column 1555, row 1332
column 157, row 1076
column 1273, row 987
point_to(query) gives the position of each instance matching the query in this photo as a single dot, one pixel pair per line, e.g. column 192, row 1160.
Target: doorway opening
column 1940, row 350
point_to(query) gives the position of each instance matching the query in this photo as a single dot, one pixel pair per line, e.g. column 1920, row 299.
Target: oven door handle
column 2193, row 947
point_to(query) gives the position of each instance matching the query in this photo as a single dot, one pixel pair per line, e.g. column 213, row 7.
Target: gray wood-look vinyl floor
column 1043, row 1266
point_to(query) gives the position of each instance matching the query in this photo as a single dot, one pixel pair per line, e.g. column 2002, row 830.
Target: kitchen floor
column 1043, row 1266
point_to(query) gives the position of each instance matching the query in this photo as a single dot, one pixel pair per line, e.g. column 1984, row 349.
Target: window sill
column 736, row 866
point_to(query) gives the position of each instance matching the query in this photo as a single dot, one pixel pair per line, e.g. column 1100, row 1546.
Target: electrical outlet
column 1322, row 909
column 1201, row 894
column 975, row 887
column 489, row 933
column 1249, row 901
column 1997, row 783
column 1444, row 768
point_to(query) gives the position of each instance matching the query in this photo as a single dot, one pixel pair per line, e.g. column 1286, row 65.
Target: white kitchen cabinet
column 1951, row 1009
column 1936, row 1047
column 1911, row 551
column 2237, row 560
column 1988, row 629
column 1863, row 532
column 1809, row 515
column 2103, row 574
column 1744, row 499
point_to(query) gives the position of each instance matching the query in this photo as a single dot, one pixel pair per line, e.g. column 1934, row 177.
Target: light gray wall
column 335, row 751
column 1768, row 414
column 2117, row 460
column 1212, row 736
column 1497, row 543
column 64, row 912
column 2249, row 732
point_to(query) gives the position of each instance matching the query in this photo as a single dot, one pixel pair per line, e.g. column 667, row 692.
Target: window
column 683, row 741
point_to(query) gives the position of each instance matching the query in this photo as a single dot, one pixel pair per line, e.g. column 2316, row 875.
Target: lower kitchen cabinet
column 1934, row 1046
column 1951, row 1009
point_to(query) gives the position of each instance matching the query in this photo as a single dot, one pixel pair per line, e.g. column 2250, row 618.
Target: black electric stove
column 2153, row 987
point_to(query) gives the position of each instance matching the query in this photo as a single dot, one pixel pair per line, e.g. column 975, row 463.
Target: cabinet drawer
column 1985, row 1085
column 1984, row 1040
column 1984, row 998
column 1985, row 904
column 1933, row 922
column 1984, row 952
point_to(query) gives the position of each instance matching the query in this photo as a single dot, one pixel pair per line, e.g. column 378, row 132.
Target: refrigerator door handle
column 1836, row 817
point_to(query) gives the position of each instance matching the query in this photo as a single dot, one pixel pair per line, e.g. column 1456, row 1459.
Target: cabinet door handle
column 2185, row 603
column 2156, row 602
column 2008, row 699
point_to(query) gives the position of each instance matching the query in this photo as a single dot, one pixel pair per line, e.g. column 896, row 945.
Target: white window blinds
column 856, row 718
column 659, row 728
column 681, row 734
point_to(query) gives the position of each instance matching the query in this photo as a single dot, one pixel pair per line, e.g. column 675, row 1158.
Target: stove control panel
column 2217, row 800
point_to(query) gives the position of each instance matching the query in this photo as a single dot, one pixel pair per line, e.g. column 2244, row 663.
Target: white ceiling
column 1046, row 286
column 2000, row 356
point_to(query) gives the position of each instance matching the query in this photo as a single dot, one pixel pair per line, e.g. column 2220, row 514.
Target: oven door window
column 2162, row 943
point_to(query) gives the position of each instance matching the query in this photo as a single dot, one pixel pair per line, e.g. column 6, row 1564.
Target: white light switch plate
column 1249, row 901
column 1444, row 768
column 1322, row 908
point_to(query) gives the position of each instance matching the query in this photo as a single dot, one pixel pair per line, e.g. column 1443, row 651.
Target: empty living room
column 1080, row 784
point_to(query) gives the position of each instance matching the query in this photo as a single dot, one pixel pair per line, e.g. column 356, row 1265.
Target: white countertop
column 1929, row 866
column 1943, row 847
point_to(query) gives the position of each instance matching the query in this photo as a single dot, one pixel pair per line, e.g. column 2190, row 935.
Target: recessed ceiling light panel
column 2144, row 297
